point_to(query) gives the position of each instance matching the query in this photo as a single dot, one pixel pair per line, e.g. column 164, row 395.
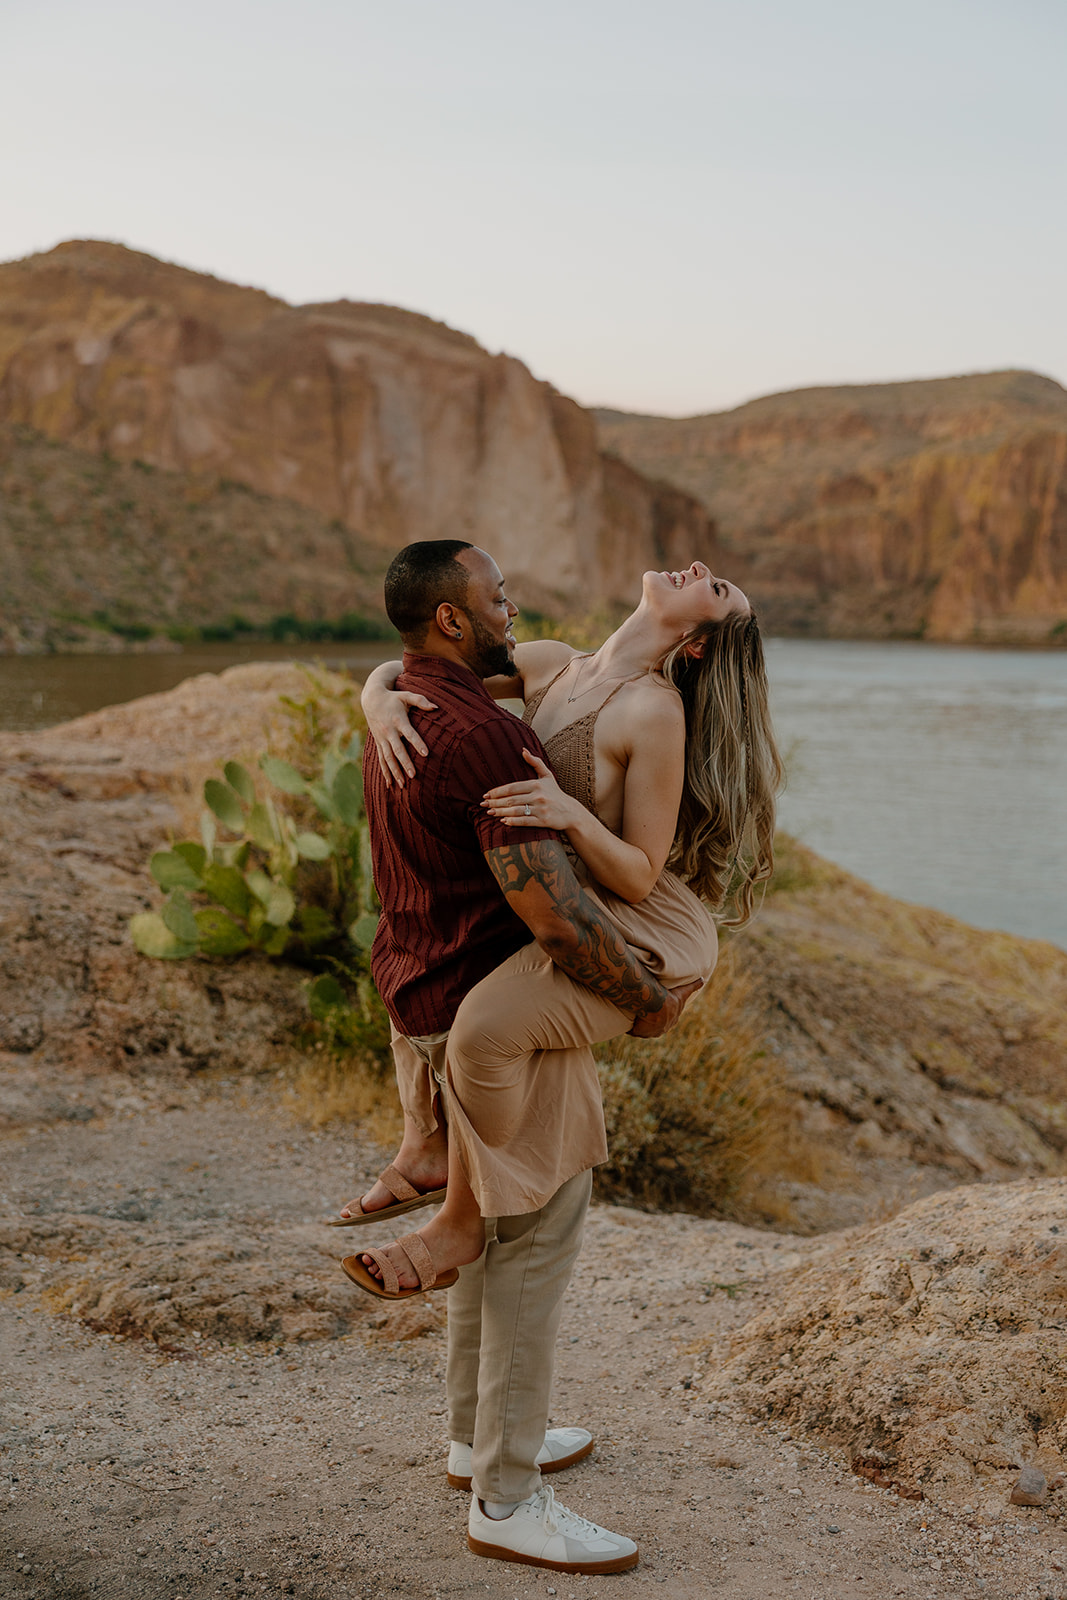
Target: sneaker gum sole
column 456, row 1482
column 496, row 1552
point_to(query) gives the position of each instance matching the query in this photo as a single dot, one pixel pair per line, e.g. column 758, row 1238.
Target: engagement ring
column 527, row 810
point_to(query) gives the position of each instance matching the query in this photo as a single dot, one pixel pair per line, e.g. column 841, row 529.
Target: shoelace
column 558, row 1519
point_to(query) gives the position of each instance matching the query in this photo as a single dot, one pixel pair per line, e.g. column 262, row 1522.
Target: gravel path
column 281, row 1435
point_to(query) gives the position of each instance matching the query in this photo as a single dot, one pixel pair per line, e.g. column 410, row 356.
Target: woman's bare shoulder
column 538, row 661
column 652, row 714
column 653, row 696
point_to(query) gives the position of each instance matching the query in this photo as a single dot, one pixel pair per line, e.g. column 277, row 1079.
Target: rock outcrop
column 192, row 1280
column 932, row 509
column 933, row 1347
column 395, row 426
column 916, row 1051
column 83, row 806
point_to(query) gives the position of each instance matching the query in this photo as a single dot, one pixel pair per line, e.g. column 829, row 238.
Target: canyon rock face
column 391, row 425
column 932, row 509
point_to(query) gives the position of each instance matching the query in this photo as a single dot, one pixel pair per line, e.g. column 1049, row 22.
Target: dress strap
column 622, row 685
column 534, row 702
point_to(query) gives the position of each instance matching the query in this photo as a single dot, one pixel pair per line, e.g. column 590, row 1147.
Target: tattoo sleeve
column 539, row 884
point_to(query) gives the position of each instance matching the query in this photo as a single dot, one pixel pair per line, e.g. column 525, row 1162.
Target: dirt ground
column 282, row 1435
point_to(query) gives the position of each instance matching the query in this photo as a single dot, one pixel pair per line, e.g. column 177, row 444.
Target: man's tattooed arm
column 541, row 888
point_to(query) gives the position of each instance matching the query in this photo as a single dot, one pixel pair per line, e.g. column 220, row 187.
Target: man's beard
column 492, row 659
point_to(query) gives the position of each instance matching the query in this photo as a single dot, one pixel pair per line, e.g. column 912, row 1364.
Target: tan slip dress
column 524, row 1104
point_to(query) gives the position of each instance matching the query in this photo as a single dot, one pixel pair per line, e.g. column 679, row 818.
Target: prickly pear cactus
column 248, row 882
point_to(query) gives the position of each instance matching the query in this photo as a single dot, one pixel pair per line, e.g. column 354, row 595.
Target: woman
column 666, row 762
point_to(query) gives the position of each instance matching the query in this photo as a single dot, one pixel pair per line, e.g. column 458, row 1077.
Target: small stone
column 832, row 1527
column 1031, row 1488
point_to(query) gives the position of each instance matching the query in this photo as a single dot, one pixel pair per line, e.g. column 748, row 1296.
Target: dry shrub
column 689, row 1114
column 797, row 868
column 323, row 1087
column 792, row 1161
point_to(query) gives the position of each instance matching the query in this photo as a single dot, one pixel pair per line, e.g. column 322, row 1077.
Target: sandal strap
column 390, row 1281
column 398, row 1185
column 420, row 1259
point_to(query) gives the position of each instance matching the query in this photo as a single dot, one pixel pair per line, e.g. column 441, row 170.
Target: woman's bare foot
column 422, row 1161
column 451, row 1243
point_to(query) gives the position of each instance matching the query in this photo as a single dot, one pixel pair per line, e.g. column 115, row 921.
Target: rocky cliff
column 932, row 509
column 94, row 550
column 390, row 425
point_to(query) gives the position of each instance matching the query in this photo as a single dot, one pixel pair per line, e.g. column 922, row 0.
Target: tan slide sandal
column 407, row 1196
column 388, row 1286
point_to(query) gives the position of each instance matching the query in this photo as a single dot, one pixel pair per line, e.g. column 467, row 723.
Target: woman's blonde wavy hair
column 724, row 845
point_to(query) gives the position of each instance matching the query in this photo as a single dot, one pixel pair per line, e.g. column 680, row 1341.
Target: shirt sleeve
column 489, row 755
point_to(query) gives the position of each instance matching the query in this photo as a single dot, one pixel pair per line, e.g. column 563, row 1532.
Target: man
column 459, row 896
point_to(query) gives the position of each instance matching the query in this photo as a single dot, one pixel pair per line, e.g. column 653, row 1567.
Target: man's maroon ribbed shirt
column 445, row 923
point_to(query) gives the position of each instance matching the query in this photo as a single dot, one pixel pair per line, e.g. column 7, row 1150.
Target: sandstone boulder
column 933, row 1347
column 915, row 1052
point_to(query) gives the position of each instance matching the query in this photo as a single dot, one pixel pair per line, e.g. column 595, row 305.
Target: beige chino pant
column 504, row 1315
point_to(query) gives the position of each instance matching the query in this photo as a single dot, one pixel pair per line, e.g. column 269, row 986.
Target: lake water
column 938, row 774
column 39, row 691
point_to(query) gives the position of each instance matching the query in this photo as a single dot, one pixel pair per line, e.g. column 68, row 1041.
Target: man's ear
column 448, row 621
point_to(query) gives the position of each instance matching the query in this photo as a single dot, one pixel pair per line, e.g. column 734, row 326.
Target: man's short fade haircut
column 421, row 577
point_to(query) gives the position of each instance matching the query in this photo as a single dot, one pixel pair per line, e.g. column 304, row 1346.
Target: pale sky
column 671, row 206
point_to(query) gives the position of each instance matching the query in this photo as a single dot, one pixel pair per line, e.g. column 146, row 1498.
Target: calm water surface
column 937, row 774
column 39, row 691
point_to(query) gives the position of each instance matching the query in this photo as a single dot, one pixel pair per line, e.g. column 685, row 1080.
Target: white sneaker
column 562, row 1448
column 540, row 1533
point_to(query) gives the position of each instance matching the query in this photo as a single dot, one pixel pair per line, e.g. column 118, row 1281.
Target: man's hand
column 655, row 1023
